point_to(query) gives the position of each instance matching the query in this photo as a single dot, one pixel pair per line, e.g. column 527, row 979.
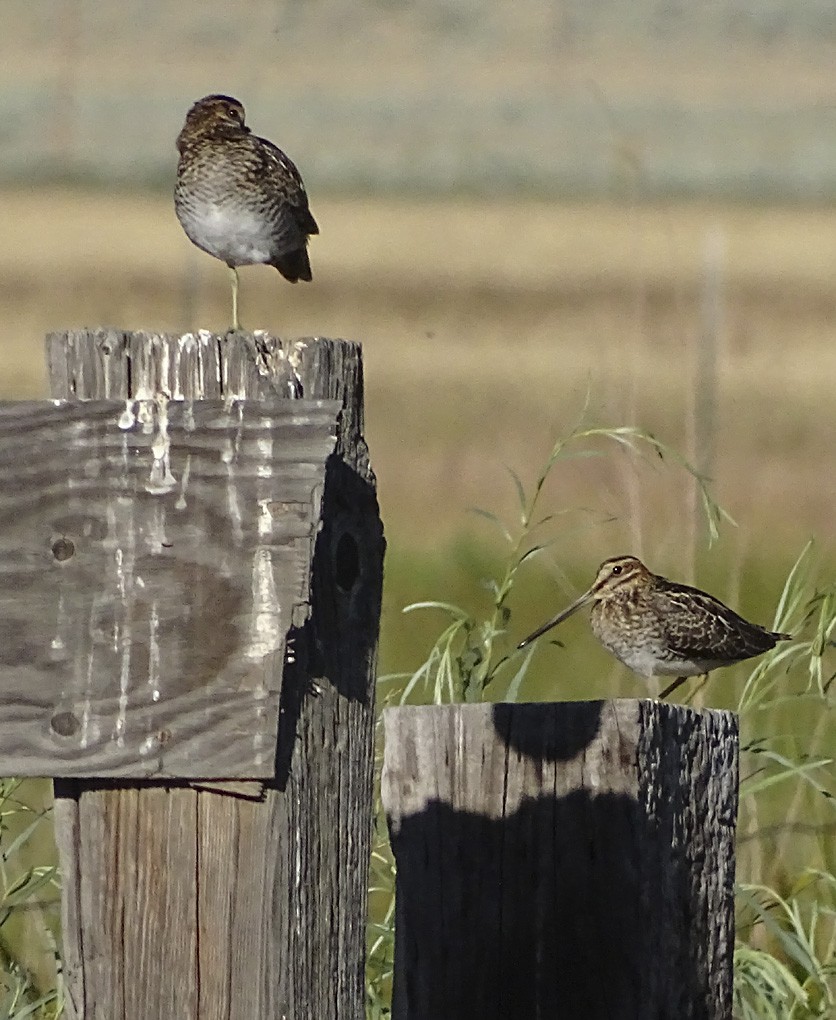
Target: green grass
column 29, row 893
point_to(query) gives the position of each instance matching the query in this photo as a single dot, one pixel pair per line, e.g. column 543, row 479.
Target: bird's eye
column 617, row 568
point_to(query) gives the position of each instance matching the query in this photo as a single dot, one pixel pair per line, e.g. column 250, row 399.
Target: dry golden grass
column 484, row 324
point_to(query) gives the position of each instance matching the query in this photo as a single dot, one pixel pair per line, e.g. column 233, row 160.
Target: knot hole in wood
column 63, row 549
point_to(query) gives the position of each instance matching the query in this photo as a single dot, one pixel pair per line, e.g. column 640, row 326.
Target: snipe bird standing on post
column 657, row 627
column 238, row 197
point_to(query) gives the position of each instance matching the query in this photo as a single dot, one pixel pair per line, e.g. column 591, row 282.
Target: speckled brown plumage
column 239, row 197
column 657, row 627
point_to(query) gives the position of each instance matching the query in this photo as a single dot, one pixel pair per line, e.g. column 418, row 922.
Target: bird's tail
column 294, row 265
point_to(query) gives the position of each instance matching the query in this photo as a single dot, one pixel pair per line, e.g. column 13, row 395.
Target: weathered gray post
column 190, row 579
column 567, row 860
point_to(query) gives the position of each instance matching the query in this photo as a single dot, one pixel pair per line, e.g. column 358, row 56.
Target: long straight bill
column 564, row 615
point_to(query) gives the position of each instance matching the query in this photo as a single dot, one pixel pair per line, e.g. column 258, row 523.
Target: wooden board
column 155, row 561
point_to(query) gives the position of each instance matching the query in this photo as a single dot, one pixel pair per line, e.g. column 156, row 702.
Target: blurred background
column 526, row 209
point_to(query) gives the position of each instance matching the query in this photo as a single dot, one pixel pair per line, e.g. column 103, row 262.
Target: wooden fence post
column 562, row 860
column 190, row 581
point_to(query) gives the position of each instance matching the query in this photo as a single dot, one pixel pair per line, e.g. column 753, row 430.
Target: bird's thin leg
column 703, row 680
column 236, row 325
column 680, row 680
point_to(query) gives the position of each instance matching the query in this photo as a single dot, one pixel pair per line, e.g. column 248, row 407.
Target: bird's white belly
column 644, row 662
column 235, row 236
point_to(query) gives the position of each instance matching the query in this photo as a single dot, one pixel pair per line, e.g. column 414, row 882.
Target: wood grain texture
column 203, row 900
column 562, row 860
column 151, row 576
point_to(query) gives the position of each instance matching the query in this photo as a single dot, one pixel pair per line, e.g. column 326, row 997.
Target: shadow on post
column 562, row 860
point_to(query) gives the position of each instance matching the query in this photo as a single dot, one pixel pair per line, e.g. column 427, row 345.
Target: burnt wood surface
column 562, row 860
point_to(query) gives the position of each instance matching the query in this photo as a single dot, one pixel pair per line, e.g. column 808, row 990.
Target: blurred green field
column 486, row 328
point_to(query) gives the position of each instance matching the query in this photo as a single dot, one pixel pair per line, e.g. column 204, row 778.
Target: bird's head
column 213, row 116
column 616, row 576
column 619, row 574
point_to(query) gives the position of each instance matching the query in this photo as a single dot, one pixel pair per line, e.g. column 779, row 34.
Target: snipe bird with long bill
column 238, row 196
column 657, row 627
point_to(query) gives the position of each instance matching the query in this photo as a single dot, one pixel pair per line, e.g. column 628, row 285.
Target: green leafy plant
column 470, row 654
column 795, row 978
column 27, row 896
column 785, row 958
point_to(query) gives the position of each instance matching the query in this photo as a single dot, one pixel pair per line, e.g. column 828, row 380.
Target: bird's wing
column 699, row 626
column 281, row 170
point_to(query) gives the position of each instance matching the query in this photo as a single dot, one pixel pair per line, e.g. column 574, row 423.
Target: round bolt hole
column 346, row 562
column 62, row 549
column 65, row 724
